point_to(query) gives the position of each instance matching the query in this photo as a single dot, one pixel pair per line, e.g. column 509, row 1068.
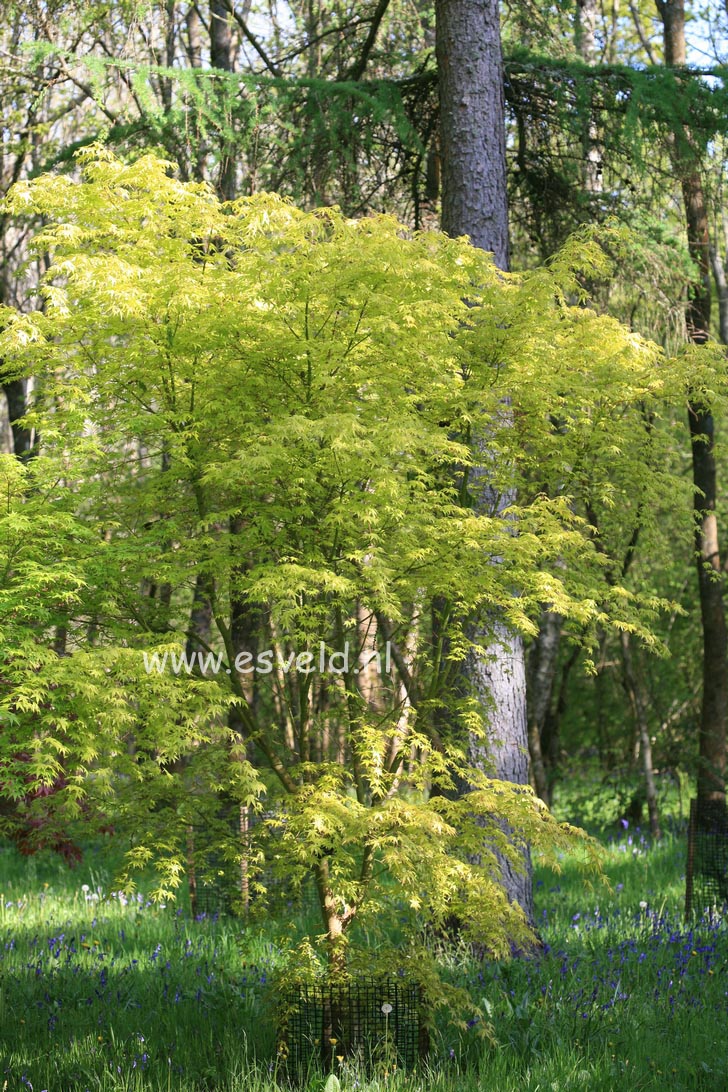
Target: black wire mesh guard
column 375, row 1020
column 706, row 872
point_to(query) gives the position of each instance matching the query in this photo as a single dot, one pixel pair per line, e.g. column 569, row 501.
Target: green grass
column 95, row 994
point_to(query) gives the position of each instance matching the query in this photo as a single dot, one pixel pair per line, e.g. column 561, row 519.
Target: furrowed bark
column 474, row 203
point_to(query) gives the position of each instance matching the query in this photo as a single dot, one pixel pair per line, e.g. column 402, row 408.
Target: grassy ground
column 97, row 992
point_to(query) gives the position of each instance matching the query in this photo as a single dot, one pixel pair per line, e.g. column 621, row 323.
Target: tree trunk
column 541, row 675
column 586, row 44
column 16, row 397
column 474, row 203
column 636, row 697
column 551, row 731
column 221, row 56
column 586, row 30
column 712, row 735
column 721, row 284
column 499, row 679
column 472, row 124
column 245, row 623
column 7, row 444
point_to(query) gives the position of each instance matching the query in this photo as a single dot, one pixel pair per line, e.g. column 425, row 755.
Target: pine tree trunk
column 472, row 124
column 475, row 203
column 500, row 678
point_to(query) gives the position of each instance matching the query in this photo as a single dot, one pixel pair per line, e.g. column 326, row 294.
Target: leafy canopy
column 268, row 415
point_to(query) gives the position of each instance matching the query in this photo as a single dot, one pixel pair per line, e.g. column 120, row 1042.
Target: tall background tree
column 711, row 579
column 475, row 203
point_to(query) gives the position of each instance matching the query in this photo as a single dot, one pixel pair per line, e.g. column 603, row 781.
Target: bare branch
column 356, row 71
column 256, row 44
column 644, row 40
